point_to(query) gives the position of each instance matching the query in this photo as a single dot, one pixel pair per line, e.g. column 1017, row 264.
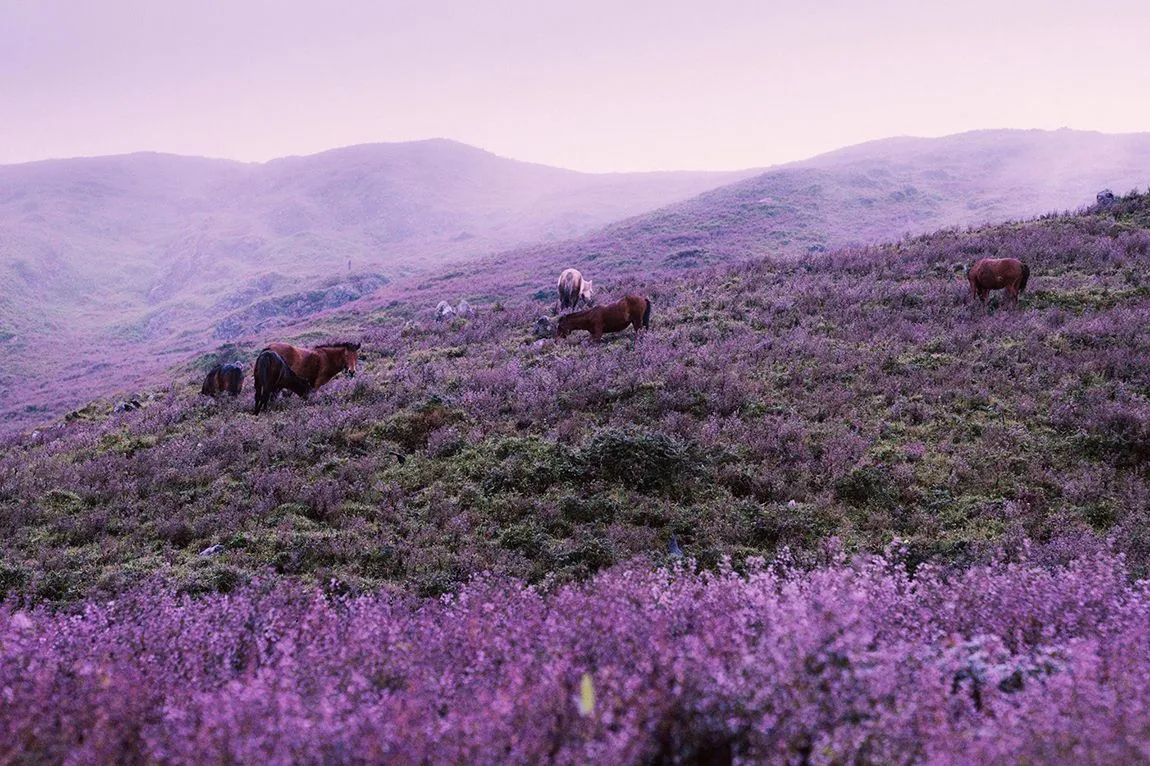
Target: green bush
column 639, row 459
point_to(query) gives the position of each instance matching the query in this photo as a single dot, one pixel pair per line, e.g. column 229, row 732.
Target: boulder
column 444, row 312
column 544, row 327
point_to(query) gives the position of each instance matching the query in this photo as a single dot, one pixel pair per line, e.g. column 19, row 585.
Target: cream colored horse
column 572, row 289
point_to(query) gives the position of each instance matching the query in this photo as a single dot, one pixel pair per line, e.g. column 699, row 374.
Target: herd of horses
column 282, row 366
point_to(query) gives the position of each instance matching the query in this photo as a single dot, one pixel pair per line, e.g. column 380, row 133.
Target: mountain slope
column 868, row 194
column 855, row 396
column 107, row 262
column 107, row 294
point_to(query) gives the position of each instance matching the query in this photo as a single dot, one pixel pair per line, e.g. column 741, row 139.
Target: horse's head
column 351, row 356
column 585, row 290
column 563, row 327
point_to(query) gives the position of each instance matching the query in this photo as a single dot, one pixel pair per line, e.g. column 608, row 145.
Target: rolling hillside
column 915, row 530
column 107, row 262
column 773, row 403
column 120, row 267
column 867, row 194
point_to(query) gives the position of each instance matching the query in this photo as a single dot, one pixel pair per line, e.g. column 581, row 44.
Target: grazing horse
column 227, row 378
column 320, row 364
column 995, row 274
column 572, row 289
column 634, row 310
column 273, row 375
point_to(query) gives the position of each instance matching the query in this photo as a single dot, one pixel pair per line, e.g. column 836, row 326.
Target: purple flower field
column 955, row 501
column 854, row 663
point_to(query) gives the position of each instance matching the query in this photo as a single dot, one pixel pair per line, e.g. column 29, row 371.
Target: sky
column 592, row 85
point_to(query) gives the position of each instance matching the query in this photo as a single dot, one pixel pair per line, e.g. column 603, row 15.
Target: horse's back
column 211, row 384
column 994, row 273
column 286, row 351
column 570, row 287
column 232, row 377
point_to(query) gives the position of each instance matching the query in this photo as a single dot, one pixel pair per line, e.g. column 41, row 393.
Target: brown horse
column 634, row 310
column 995, row 274
column 272, row 375
column 320, row 364
column 223, row 378
column 573, row 288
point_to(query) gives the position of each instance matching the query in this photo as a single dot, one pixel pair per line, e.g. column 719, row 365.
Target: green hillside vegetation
column 825, row 406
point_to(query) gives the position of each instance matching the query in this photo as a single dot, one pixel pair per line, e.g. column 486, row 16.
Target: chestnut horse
column 995, row 274
column 227, row 378
column 320, row 364
column 573, row 288
column 273, row 375
column 634, row 310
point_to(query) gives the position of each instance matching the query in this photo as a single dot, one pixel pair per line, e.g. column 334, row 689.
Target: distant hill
column 867, row 194
column 115, row 268
column 106, row 262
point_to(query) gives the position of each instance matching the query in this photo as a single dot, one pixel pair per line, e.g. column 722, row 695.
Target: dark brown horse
column 996, row 274
column 320, row 364
column 273, row 375
column 224, row 378
column 634, row 310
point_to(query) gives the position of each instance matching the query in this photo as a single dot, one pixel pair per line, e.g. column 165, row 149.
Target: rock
column 673, row 547
column 1105, row 198
column 127, row 406
column 464, row 309
column 544, row 328
column 212, row 550
column 444, row 312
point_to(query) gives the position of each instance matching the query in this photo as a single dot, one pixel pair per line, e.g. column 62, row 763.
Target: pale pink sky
column 594, row 85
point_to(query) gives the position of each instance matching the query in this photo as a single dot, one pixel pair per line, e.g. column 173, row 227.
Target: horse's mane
column 580, row 314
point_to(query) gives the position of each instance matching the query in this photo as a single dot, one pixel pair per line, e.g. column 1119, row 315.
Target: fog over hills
column 106, row 262
column 867, row 194
column 114, row 268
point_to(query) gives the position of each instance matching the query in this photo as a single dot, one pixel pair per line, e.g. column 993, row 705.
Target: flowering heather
column 856, row 396
column 859, row 663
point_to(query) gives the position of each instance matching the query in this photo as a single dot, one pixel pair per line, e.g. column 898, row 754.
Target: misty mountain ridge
column 143, row 260
column 868, row 194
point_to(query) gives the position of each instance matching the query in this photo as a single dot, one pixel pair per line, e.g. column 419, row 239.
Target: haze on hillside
column 115, row 269
column 594, row 86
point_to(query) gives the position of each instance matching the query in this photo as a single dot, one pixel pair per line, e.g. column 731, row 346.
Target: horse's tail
column 1025, row 277
column 647, row 314
column 568, row 295
column 262, row 374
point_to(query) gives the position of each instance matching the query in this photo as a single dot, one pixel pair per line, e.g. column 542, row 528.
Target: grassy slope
column 108, row 263
column 871, row 193
column 120, row 266
column 855, row 397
